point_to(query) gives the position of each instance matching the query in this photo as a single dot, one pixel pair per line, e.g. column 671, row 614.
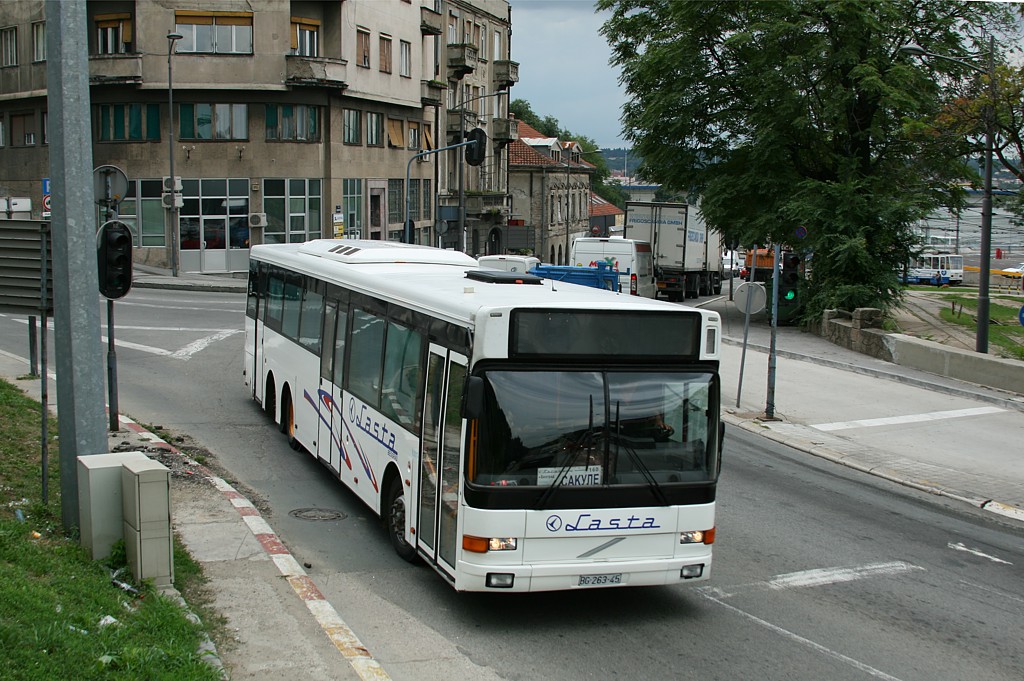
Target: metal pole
column 172, row 41
column 111, row 369
column 33, row 352
column 43, row 392
column 746, row 329
column 769, row 409
column 566, row 255
column 462, row 163
column 981, row 344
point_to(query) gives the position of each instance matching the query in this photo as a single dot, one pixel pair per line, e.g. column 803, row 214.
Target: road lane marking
column 817, row 577
column 909, row 418
column 975, row 552
column 201, row 344
column 828, row 652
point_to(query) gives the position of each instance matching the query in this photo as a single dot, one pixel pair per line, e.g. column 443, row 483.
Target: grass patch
column 1004, row 331
column 56, row 604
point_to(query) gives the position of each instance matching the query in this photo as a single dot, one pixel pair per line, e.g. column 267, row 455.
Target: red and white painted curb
column 343, row 638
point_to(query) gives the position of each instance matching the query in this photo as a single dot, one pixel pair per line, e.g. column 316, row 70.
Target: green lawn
column 1004, row 332
column 56, row 604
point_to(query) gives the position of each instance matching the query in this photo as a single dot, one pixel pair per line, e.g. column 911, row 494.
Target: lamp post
column 462, row 161
column 981, row 340
column 172, row 39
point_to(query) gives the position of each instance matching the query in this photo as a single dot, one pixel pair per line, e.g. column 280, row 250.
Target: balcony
column 506, row 74
column 432, row 92
column 490, row 202
column 462, row 59
column 315, row 71
column 109, row 69
column 430, row 22
column 454, row 123
column 505, row 130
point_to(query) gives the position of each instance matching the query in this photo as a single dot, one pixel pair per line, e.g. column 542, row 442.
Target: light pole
column 172, row 39
column 981, row 340
column 462, row 161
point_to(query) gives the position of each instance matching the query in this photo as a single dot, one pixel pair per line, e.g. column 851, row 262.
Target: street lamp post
column 568, row 197
column 172, row 39
column 981, row 340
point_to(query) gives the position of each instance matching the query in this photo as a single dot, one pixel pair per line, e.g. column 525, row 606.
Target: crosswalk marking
column 909, row 418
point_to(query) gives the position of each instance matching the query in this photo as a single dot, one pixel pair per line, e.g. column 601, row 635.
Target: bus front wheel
column 394, row 520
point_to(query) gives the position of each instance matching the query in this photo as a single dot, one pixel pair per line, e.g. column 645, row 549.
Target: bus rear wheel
column 288, row 423
column 394, row 520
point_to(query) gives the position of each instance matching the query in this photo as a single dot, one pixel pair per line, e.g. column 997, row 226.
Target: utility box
column 146, row 504
column 99, row 500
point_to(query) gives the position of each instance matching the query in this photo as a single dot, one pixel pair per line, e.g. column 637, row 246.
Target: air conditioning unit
column 257, row 219
column 172, row 200
column 172, row 184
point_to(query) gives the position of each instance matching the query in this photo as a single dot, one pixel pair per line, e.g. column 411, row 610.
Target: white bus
column 513, row 432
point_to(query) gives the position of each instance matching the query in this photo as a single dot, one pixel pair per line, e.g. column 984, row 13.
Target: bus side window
column 329, row 320
column 275, row 298
column 338, row 370
column 364, row 368
column 311, row 319
column 292, row 305
column 401, row 375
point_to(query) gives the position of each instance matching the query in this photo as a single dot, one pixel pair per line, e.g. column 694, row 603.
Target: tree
column 789, row 119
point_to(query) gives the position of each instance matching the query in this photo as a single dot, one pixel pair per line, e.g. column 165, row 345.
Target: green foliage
column 792, row 120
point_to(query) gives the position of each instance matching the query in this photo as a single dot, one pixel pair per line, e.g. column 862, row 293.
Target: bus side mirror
column 473, row 398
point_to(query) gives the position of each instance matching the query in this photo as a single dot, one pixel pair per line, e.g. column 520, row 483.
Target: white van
column 509, row 263
column 632, row 259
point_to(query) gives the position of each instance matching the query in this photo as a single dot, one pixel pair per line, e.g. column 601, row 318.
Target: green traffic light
column 790, row 294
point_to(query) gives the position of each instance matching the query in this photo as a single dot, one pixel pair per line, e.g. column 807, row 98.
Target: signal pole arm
column 407, row 226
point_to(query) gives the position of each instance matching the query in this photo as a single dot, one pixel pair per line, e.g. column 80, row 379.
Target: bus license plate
column 597, row 580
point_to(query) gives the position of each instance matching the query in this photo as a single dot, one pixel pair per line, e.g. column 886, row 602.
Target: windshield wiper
column 573, row 449
column 637, row 461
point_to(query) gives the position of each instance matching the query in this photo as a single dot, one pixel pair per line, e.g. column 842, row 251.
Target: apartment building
column 292, row 119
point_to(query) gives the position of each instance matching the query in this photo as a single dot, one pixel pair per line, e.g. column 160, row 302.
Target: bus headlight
column 485, row 544
column 697, row 537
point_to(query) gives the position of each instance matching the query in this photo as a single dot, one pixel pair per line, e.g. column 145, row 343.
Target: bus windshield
column 596, row 428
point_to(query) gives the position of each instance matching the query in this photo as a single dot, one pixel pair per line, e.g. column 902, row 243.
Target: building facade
column 292, row 119
column 549, row 182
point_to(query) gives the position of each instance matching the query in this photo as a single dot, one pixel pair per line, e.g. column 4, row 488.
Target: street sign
column 755, row 291
column 338, row 220
column 46, row 197
column 1020, row 316
column 110, row 185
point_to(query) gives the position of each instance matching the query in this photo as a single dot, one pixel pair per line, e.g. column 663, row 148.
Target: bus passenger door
column 440, row 464
column 332, row 353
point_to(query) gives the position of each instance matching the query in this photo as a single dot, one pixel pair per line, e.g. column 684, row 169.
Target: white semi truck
column 687, row 255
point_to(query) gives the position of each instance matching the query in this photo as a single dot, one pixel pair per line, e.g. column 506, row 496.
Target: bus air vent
column 503, row 277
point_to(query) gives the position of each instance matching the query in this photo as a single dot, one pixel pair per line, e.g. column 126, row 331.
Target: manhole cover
column 318, row 514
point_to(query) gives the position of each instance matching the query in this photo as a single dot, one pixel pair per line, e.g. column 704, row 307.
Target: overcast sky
column 563, row 67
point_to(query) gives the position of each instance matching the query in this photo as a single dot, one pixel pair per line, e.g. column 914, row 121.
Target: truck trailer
column 687, row 254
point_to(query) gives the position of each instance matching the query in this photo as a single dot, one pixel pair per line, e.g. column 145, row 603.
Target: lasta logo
column 586, row 522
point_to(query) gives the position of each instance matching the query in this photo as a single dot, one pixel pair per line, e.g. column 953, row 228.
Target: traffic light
column 789, row 286
column 475, row 153
column 114, row 257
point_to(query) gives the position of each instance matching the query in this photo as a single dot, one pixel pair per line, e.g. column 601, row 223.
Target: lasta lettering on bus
column 588, row 523
column 378, row 430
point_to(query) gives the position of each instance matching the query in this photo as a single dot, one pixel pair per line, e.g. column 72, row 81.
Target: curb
column 343, row 638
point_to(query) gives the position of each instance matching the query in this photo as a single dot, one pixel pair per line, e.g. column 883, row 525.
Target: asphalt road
column 820, row 572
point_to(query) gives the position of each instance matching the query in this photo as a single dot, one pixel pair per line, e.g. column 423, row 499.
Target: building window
column 428, row 200
column 352, row 120
column 414, row 199
column 363, row 48
column 496, row 45
column 293, row 122
column 216, row 32
column 143, row 212
column 9, row 46
column 128, row 122
column 213, row 121
column 305, row 37
column 453, row 29
column 396, row 133
column 113, row 33
column 414, row 135
column 293, row 207
column 352, row 206
column 396, row 207
column 405, row 67
column 374, row 129
column 39, row 41
column 385, row 54
column 3, row 133
column 23, row 130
